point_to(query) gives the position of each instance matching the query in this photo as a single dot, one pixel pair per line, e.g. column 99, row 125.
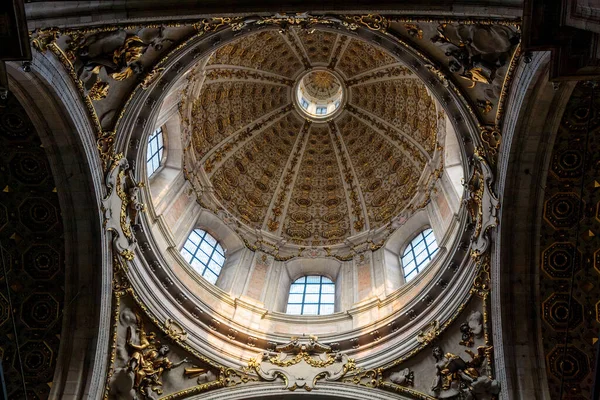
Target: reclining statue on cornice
column 460, row 379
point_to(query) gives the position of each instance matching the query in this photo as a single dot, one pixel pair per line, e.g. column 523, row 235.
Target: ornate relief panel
column 151, row 359
column 478, row 54
column 225, row 107
column 318, row 45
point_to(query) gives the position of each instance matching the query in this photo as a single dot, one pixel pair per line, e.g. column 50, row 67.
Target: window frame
column 160, row 152
column 206, row 268
column 304, row 103
column 410, row 247
column 303, row 280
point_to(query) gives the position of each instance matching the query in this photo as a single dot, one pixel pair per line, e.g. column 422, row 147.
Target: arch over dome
column 289, row 195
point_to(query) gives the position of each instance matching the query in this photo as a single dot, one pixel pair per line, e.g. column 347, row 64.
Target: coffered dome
column 309, row 138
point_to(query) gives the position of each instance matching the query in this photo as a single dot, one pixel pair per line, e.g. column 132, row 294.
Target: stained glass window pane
column 199, row 252
column 314, row 294
column 211, row 240
column 187, row 256
column 420, row 247
column 419, row 253
column 216, row 268
column 189, row 246
column 210, row 276
column 200, row 255
column 206, row 247
column 219, row 259
column 313, row 288
column 195, row 238
column 311, row 298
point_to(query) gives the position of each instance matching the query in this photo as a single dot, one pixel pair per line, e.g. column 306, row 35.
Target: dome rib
column 340, row 47
column 235, row 73
column 297, row 45
column 402, row 142
column 382, row 126
column 226, row 149
column 355, row 200
column 297, row 48
column 282, row 194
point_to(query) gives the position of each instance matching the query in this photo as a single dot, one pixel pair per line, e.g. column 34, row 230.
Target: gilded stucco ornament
column 301, row 363
column 459, row 379
column 148, row 360
column 121, row 207
column 141, row 356
column 428, row 334
column 476, row 52
column 482, row 204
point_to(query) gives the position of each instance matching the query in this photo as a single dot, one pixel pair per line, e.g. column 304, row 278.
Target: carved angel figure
column 135, row 205
column 148, row 361
column 447, row 383
column 476, row 51
column 475, row 323
column 404, row 377
column 117, row 52
column 460, row 379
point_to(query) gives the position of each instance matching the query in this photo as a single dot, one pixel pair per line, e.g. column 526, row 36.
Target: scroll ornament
column 482, row 204
column 301, row 363
column 121, row 207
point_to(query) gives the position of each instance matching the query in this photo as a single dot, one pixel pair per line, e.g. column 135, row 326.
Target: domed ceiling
column 254, row 152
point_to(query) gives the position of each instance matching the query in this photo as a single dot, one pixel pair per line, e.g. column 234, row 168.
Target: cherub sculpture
column 460, row 379
column 148, row 361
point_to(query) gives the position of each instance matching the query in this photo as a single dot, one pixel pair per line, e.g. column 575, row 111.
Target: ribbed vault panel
column 265, row 51
column 317, row 212
column 387, row 178
column 224, row 107
column 402, row 103
column 245, row 183
column 359, row 57
column 318, row 45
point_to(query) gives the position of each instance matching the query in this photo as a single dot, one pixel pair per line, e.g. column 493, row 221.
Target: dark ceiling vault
column 569, row 245
column 32, row 276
